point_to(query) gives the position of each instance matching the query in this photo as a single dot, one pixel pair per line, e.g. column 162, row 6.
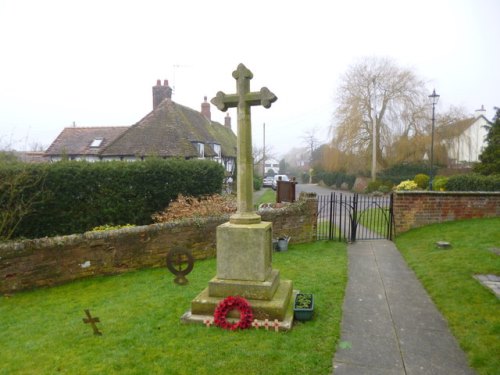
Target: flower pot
column 303, row 306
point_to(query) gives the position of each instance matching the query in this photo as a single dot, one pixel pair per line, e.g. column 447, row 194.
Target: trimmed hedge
column 80, row 195
column 335, row 178
column 473, row 182
column 402, row 172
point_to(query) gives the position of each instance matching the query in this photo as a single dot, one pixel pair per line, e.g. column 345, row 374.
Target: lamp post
column 434, row 99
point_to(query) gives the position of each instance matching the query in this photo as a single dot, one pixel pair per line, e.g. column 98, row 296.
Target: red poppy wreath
column 229, row 304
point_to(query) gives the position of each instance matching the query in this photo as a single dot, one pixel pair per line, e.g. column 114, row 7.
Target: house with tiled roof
column 466, row 139
column 169, row 130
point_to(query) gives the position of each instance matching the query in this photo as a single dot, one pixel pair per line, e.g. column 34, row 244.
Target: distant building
column 466, row 139
column 169, row 130
column 271, row 166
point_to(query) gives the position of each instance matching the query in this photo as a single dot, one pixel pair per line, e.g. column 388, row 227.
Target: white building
column 469, row 140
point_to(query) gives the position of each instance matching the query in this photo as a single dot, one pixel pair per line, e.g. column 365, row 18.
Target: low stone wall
column 50, row 261
column 413, row 209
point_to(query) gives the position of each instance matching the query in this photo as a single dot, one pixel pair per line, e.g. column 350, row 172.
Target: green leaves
column 81, row 195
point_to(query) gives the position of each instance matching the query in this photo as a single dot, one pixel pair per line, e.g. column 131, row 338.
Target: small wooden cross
column 276, row 325
column 244, row 99
column 92, row 321
column 266, row 324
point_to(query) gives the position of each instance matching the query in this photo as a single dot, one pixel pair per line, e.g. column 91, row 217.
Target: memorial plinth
column 244, row 244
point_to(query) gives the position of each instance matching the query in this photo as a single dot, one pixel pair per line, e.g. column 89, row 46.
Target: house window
column 217, row 150
column 201, row 149
column 96, row 142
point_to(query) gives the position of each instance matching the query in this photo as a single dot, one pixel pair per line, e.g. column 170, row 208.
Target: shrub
column 335, row 178
column 257, row 182
column 379, row 185
column 422, row 180
column 439, row 183
column 81, row 195
column 186, row 207
column 473, row 182
column 401, row 172
column 384, row 189
column 407, row 185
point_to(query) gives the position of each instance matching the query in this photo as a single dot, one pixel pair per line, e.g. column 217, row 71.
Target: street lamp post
column 434, row 99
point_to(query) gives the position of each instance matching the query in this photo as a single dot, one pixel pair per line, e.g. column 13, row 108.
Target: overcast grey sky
column 94, row 62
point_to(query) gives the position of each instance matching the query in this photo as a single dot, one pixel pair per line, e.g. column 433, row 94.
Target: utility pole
column 374, row 133
column 264, row 150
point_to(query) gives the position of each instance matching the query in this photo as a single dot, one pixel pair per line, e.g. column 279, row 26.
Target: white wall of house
column 467, row 147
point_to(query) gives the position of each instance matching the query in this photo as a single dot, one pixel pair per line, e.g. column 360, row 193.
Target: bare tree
column 20, row 191
column 311, row 141
column 258, row 154
column 377, row 93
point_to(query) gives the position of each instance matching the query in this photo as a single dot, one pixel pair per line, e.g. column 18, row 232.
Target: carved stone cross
column 244, row 99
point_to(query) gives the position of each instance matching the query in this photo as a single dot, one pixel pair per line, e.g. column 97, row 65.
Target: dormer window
column 96, row 142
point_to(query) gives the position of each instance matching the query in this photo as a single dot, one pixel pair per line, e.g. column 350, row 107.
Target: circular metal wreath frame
column 170, row 260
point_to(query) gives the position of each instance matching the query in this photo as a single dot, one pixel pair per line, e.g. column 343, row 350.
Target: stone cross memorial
column 244, row 244
column 244, row 99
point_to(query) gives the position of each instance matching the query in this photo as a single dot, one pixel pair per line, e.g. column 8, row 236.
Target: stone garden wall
column 413, row 209
column 50, row 261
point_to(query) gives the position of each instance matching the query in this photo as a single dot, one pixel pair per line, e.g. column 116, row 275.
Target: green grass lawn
column 472, row 311
column 375, row 219
column 269, row 196
column 42, row 331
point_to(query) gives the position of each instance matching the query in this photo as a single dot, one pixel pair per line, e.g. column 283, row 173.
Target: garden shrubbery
column 401, row 172
column 473, row 182
column 79, row 196
column 335, row 179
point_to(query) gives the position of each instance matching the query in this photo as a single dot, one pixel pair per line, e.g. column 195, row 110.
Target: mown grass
column 326, row 230
column 269, row 196
column 42, row 331
column 375, row 219
column 472, row 311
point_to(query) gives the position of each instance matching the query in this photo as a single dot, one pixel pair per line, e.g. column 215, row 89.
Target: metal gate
column 350, row 217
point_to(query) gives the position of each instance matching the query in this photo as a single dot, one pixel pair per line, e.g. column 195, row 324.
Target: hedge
column 402, row 172
column 79, row 196
column 473, row 182
column 335, row 178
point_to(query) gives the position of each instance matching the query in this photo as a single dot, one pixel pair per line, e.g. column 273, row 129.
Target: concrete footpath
column 390, row 326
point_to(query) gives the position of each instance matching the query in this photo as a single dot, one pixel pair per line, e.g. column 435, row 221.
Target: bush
column 257, row 182
column 379, row 185
column 407, row 185
column 81, row 195
column 422, row 180
column 439, row 183
column 473, row 182
column 335, row 178
column 401, row 172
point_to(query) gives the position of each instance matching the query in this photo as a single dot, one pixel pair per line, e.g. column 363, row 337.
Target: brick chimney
column 160, row 93
column 205, row 109
column 227, row 121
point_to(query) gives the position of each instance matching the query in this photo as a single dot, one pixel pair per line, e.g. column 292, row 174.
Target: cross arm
column 264, row 97
column 223, row 101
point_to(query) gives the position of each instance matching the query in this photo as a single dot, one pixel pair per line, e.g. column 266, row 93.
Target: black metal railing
column 351, row 217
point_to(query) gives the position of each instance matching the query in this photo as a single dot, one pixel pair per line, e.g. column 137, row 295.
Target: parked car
column 282, row 177
column 268, row 181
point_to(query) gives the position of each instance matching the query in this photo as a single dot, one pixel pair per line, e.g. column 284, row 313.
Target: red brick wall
column 50, row 261
column 415, row 209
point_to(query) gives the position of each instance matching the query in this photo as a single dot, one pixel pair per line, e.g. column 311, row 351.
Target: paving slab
column 390, row 325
